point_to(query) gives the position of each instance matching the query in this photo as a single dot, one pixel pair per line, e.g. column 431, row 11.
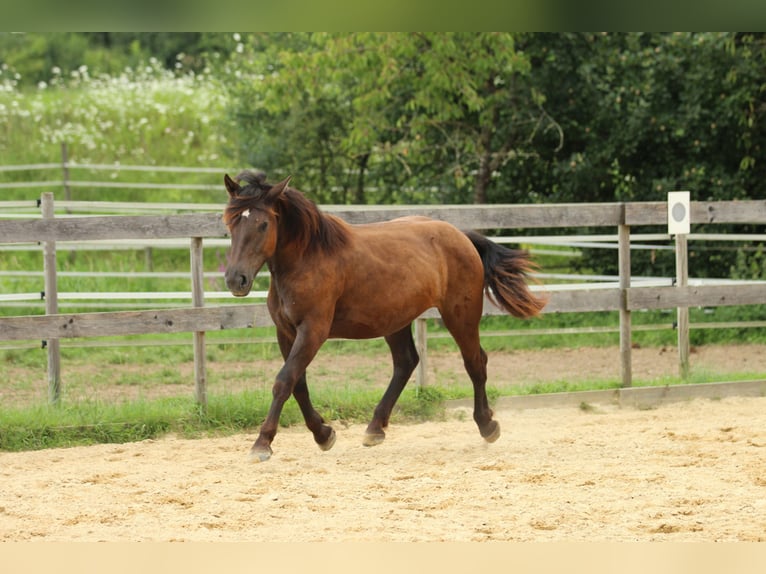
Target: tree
column 644, row 114
column 443, row 111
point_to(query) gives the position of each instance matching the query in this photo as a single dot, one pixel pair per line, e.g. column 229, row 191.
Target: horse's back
column 419, row 236
column 396, row 270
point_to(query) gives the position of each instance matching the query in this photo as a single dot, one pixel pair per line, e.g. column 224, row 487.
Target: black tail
column 505, row 277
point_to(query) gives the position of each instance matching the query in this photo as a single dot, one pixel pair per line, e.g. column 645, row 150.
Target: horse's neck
column 286, row 259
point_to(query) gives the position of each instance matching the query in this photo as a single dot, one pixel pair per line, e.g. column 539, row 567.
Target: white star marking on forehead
column 246, row 213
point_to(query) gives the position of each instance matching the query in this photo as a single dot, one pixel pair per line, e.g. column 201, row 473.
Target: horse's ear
column 277, row 189
column 231, row 186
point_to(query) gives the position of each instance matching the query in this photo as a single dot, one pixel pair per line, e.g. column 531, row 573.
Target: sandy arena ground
column 693, row 471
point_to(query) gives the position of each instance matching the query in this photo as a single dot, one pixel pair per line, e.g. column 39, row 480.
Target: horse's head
column 252, row 221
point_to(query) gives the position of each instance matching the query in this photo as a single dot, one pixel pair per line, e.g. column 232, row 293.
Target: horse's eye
column 262, row 227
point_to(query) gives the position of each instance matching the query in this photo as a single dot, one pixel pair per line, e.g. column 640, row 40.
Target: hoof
column 260, row 454
column 328, row 444
column 491, row 432
column 371, row 439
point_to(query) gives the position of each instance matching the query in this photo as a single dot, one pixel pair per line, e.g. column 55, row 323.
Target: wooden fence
column 199, row 318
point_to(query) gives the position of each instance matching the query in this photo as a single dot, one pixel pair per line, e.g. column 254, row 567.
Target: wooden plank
column 496, row 216
column 51, row 304
column 189, row 320
column 750, row 211
column 249, row 315
column 583, row 300
column 421, row 344
column 682, row 313
column 112, row 227
column 646, row 213
column 30, row 167
column 464, row 216
column 636, row 397
column 695, row 296
column 105, row 324
column 210, row 224
column 571, row 300
column 92, row 184
column 198, row 300
column 655, row 213
column 626, row 365
column 567, row 301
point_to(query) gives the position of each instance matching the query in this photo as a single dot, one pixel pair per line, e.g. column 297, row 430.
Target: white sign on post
column 679, row 221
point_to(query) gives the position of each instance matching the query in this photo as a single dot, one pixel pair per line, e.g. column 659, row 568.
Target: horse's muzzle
column 238, row 282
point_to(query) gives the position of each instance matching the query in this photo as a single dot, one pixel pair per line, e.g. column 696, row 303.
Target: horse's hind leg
column 465, row 331
column 405, row 358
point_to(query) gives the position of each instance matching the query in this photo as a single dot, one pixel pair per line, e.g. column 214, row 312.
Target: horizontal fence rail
column 210, row 225
column 192, row 229
column 246, row 315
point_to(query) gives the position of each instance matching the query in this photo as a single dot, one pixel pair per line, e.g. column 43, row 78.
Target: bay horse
column 331, row 279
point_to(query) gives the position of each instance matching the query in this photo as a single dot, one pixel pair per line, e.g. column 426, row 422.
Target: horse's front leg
column 324, row 435
column 304, row 348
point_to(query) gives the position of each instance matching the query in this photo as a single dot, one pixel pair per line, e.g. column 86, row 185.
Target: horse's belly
column 350, row 329
column 370, row 321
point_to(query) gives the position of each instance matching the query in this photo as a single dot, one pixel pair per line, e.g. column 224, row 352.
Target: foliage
column 31, row 56
column 750, row 263
column 386, row 111
column 644, row 114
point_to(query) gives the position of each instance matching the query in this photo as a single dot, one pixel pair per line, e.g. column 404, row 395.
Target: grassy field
column 146, row 116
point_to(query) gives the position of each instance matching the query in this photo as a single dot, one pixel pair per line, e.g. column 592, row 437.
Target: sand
column 691, row 471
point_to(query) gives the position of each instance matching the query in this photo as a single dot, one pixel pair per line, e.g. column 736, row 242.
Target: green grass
column 94, row 422
column 151, row 118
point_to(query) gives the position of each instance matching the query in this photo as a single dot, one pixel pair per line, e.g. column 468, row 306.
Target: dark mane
column 300, row 220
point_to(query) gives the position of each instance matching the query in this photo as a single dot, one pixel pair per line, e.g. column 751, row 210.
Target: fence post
column 198, row 300
column 421, row 344
column 682, row 280
column 623, row 246
column 51, row 304
column 65, row 171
